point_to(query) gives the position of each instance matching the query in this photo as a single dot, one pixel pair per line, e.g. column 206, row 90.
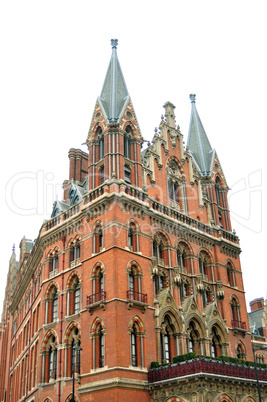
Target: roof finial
column 114, row 43
column 192, row 97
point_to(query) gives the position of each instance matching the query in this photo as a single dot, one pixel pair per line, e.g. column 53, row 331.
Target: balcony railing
column 96, row 297
column 239, row 324
column 205, row 366
column 137, row 296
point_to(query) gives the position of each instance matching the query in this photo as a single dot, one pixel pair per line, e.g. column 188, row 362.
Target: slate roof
column 114, row 95
column 198, row 143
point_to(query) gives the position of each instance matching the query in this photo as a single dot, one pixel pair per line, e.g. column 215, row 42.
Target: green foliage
column 155, row 365
column 183, row 358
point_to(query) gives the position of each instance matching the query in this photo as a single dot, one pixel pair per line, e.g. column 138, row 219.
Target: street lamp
column 77, row 349
column 264, row 347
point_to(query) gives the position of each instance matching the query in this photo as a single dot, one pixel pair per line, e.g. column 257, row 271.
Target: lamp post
column 256, row 369
column 77, row 349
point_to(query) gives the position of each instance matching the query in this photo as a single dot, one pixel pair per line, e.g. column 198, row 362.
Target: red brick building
column 138, row 264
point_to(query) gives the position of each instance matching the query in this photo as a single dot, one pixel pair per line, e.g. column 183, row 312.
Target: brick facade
column 142, row 268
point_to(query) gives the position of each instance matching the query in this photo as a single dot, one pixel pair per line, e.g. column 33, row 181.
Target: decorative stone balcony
column 95, row 301
column 239, row 324
column 137, row 299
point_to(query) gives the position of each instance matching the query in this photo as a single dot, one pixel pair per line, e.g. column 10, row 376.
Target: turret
column 114, row 139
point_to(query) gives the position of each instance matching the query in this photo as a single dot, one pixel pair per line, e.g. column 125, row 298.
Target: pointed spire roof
column 198, row 143
column 114, row 94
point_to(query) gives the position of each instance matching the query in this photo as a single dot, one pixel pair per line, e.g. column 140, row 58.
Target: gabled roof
column 198, row 143
column 114, row 95
column 75, row 193
column 58, row 207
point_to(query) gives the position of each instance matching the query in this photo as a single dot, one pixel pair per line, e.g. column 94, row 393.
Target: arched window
column 169, row 340
column 230, row 274
column 236, row 317
column 132, row 237
column 127, row 142
column 73, row 294
column 53, row 265
column 73, row 350
column 137, row 333
column 133, row 347
column 101, row 140
column 159, row 249
column 134, row 281
column 98, row 284
column 50, row 359
column 204, row 265
column 77, row 298
column 217, row 190
column 166, row 347
column 51, row 305
column 98, row 336
column 194, row 343
column 54, row 307
column 240, row 351
column 75, row 252
column 98, row 239
column 215, row 349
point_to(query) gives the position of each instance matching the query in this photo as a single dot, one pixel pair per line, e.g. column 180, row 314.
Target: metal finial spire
column 114, row 43
column 192, row 97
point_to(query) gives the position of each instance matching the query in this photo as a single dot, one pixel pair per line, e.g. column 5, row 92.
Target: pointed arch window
column 53, row 265
column 101, row 143
column 169, row 341
column 236, row 317
column 132, row 237
column 133, row 347
column 98, row 239
column 215, row 350
column 134, row 288
column 75, row 253
column 127, row 142
column 137, row 334
column 51, row 306
column 230, row 275
column 49, row 365
column 74, row 295
column 166, row 348
column 241, row 351
column 73, row 355
column 217, row 190
column 98, row 285
column 98, row 337
column 54, row 307
column 194, row 343
column 77, row 298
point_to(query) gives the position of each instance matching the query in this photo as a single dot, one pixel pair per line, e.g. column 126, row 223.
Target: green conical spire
column 198, row 143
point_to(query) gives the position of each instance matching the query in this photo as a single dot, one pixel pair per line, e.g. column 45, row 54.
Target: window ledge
column 98, row 369
column 72, row 316
column 50, row 324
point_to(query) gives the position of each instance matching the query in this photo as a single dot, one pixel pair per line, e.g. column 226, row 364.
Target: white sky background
column 54, row 57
